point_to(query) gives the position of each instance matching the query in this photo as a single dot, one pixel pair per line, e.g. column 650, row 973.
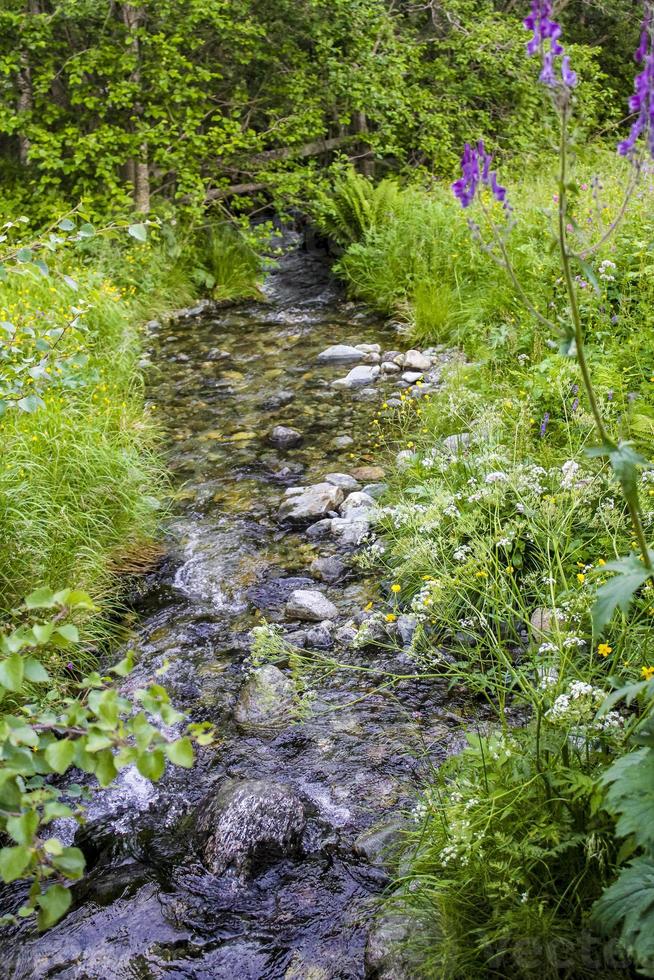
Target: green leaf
column 86, row 231
column 68, row 632
column 35, row 671
column 60, row 754
column 627, row 908
column 30, row 403
column 151, row 764
column 42, row 632
column 13, row 862
column 42, row 598
column 70, row 862
column 619, row 590
column 66, row 225
column 138, row 231
column 11, row 672
column 104, row 767
column 181, row 752
column 54, row 903
column 24, row 255
column 22, row 829
column 630, row 795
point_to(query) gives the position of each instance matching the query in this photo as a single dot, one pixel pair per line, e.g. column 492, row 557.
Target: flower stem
column 632, row 504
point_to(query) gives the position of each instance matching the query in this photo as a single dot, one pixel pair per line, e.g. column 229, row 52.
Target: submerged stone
column 284, row 437
column 246, row 825
column 340, row 354
column 265, row 698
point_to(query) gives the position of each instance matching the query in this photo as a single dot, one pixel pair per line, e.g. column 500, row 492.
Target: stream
column 152, row 905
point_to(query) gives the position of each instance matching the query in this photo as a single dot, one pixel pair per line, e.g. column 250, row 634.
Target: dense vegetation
column 533, row 849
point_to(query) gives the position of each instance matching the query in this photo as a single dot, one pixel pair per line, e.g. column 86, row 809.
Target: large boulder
column 249, row 823
column 265, row 699
column 310, row 606
column 386, row 957
column 312, row 504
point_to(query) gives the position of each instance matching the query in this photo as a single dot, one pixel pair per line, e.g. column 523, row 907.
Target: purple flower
column 543, row 425
column 574, row 406
column 545, row 40
column 609, row 395
column 642, row 101
column 475, row 170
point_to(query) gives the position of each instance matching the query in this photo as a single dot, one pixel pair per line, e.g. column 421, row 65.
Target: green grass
column 510, row 852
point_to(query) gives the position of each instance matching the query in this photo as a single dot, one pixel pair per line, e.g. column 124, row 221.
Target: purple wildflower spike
column 545, row 40
column 476, row 171
column 642, row 101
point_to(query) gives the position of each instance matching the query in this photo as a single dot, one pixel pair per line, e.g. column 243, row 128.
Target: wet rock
column 349, row 533
column 406, row 628
column 456, row 443
column 345, row 635
column 297, row 639
column 216, row 354
column 377, row 843
column 366, row 394
column 343, row 480
column 366, row 473
column 265, row 698
column 250, row 823
column 356, row 505
column 342, row 442
column 359, row 377
column 316, row 502
column 369, row 348
column 395, row 356
column 191, row 311
column 320, row 637
column 283, row 437
column 415, row 361
column 328, row 569
column 385, row 956
column 278, row 400
column 340, row 354
column 310, row 605
column 412, row 376
column 320, row 530
column 371, row 358
column 152, row 326
column 389, row 367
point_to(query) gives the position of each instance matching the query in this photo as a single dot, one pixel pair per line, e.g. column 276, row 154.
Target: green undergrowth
column 82, row 477
column 496, row 532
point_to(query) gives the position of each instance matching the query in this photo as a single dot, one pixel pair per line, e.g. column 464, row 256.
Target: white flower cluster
column 606, row 270
column 577, row 708
column 569, row 469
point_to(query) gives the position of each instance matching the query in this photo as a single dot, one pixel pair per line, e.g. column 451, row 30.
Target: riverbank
column 496, row 530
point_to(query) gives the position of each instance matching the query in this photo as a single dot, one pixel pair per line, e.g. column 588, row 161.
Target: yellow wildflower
column 390, row 617
column 647, row 673
column 604, row 649
column 395, row 587
column 581, row 578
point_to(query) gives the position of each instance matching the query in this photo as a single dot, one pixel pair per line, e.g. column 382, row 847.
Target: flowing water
column 148, row 908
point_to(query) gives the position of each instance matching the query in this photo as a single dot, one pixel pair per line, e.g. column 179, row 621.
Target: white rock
column 350, row 533
column 340, row 354
column 359, row 377
column 415, row 361
column 369, row 348
column 315, row 502
column 343, row 480
column 371, row 358
column 404, row 459
column 389, row 367
column 412, row 376
column 294, row 491
column 311, row 606
column 356, row 505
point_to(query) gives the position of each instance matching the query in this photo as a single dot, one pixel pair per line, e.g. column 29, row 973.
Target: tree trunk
column 25, row 101
column 139, row 167
column 366, row 162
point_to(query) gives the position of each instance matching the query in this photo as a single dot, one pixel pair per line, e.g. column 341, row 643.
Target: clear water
column 148, row 908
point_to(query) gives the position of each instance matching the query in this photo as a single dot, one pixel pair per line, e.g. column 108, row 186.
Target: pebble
column 285, row 438
column 340, row 353
column 368, row 473
column 359, row 377
column 412, row 376
column 342, row 442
